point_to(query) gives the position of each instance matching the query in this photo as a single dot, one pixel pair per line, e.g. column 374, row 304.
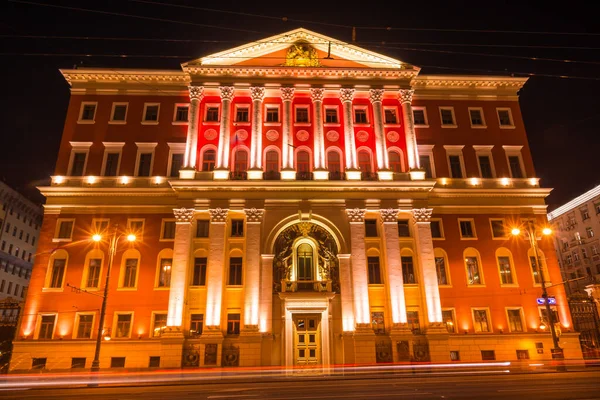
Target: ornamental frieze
column 218, row 215
column 254, row 214
column 356, row 214
column 422, row 214
column 183, row 215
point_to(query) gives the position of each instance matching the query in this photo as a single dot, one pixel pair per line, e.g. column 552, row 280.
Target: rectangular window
column 176, row 164
column 403, row 228
column 129, row 277
column 371, row 228
column 412, row 318
column 498, row 230
column 58, row 272
column 93, row 273
column 485, row 165
column 544, row 315
column 488, row 355
column 425, row 162
column 467, row 231
column 473, row 273
column 199, row 275
column 168, row 231
column 455, row 166
column 101, row 225
column 441, row 270
column 504, row 266
column 374, row 270
column 237, row 228
column 505, row 118
column 196, row 324
column 212, row 114
column 233, row 324
column 151, row 113
column 272, row 114
column 447, row 116
column 481, row 321
column 84, row 329
column 181, row 113
column 164, row 275
column 331, row 116
column 378, row 323
column 65, row 229
column 436, row 229
column 137, row 228
column 448, row 319
column 515, row 322
column 522, row 354
column 202, row 228
column 515, row 166
column 419, row 117
column 160, row 323
column 235, row 271
column 408, row 270
column 454, row 355
column 360, row 116
column 117, row 362
column 585, row 214
column 145, row 164
column 123, row 326
column 590, row 232
column 38, row 363
column 111, row 168
column 535, row 270
column 77, row 362
column 390, row 116
column 119, row 112
column 242, row 114
column 47, row 326
column 302, row 114
column 476, row 117
column 154, row 362
column 78, row 164
column 88, row 112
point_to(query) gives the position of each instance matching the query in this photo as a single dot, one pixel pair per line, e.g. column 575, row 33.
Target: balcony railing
column 305, row 286
column 238, row 175
column 304, row 176
column 272, row 175
column 368, row 176
column 337, row 176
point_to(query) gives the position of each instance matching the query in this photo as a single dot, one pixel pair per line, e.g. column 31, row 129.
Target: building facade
column 297, row 201
column 20, row 224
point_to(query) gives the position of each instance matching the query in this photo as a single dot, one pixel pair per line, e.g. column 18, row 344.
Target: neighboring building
column 577, row 227
column 297, row 201
column 20, row 224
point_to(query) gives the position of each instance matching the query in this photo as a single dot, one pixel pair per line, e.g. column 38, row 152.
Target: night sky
column 560, row 102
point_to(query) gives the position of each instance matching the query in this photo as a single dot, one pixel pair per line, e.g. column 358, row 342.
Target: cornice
column 125, row 76
column 530, row 192
column 64, row 191
column 468, row 81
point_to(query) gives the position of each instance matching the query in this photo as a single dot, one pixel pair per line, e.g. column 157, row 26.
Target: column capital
column 218, row 215
column 356, row 215
column 196, row 92
column 316, row 94
column 346, row 94
column 226, row 92
column 376, row 95
column 287, row 93
column 405, row 95
column 257, row 93
column 389, row 215
column 422, row 214
column 183, row 215
column 254, row 215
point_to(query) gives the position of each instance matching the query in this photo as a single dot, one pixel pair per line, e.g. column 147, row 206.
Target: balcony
column 238, row 175
column 272, row 175
column 337, row 176
column 368, row 176
column 304, row 176
column 305, row 286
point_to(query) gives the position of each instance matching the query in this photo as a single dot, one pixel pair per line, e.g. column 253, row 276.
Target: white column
column 257, row 93
column 222, row 168
column 216, row 268
column 389, row 217
column 346, row 292
column 266, row 293
column 383, row 168
column 179, row 267
column 287, row 139
column 359, row 267
column 426, row 260
column 253, row 267
column 352, row 171
column 320, row 171
column 191, row 142
column 412, row 152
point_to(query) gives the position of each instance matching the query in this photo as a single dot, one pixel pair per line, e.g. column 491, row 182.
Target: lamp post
column 557, row 352
column 114, row 240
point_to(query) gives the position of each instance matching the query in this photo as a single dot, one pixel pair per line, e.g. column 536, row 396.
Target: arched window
column 441, row 266
column 473, row 267
column 303, row 161
column 57, row 270
column 535, row 267
column 334, row 165
column 364, row 161
column 506, row 266
column 272, row 161
column 395, row 161
column 130, row 261
column 304, row 262
column 209, row 158
column 164, row 266
column 92, row 269
column 240, row 163
column 409, row 273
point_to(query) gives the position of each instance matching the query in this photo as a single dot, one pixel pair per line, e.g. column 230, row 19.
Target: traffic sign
column 551, row 300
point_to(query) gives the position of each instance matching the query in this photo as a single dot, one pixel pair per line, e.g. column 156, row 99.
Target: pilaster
column 320, row 170
column 359, row 267
column 383, row 169
column 412, row 153
column 352, row 171
column 191, row 143
column 348, row 320
column 252, row 276
column 222, row 168
column 287, row 141
column 257, row 93
column 266, row 293
column 215, row 271
column 389, row 218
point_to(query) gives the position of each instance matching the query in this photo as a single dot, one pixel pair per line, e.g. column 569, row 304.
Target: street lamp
column 114, row 240
column 557, row 352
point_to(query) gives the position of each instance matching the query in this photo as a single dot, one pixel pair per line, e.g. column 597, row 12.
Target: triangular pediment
column 300, row 48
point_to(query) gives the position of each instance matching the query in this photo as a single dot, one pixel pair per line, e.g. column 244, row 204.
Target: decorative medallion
column 241, row 135
column 183, row 215
column 287, row 93
column 422, row 214
column 218, row 214
column 393, row 136
column 254, row 215
column 356, row 214
column 362, row 136
column 226, row 92
column 389, row 215
column 302, row 136
column 272, row 135
column 376, row 95
column 346, row 94
column 210, row 134
column 196, row 92
column 302, row 55
column 316, row 94
column 257, row 93
column 405, row 95
column 332, row 136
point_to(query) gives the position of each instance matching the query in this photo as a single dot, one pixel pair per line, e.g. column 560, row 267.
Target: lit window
column 481, row 320
column 123, row 326
column 515, row 322
column 378, row 323
column 233, row 324
column 84, row 328
column 164, row 274
column 160, row 323
column 196, row 324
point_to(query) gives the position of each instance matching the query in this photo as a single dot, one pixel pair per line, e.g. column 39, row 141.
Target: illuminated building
column 297, row 201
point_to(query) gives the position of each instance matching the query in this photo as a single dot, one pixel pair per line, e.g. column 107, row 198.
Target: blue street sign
column 551, row 301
